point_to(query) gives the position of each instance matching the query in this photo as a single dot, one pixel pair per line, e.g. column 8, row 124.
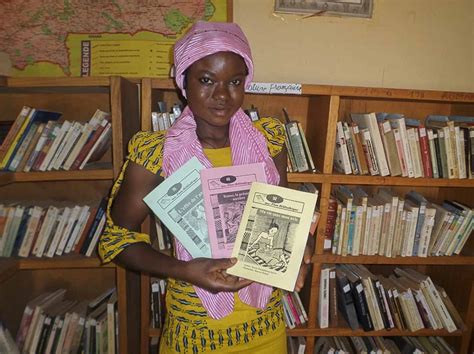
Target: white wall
column 420, row 44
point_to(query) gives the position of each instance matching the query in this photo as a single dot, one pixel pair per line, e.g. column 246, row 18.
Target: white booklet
column 179, row 204
column 272, row 235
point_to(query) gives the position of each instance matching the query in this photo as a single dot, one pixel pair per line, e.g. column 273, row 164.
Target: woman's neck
column 213, row 137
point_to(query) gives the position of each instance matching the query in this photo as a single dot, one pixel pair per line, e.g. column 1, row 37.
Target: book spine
column 297, row 146
column 425, row 152
column 13, row 135
column 369, row 152
column 88, row 145
column 432, row 148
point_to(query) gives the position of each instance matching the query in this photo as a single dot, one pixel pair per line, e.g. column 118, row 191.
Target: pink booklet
column 225, row 191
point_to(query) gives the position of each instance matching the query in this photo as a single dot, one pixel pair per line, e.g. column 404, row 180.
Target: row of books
column 382, row 345
column 164, row 118
column 47, row 231
column 7, row 343
column 53, row 324
column 407, row 300
column 38, row 141
column 299, row 153
column 295, row 345
column 295, row 313
column 157, row 302
column 389, row 144
column 388, row 224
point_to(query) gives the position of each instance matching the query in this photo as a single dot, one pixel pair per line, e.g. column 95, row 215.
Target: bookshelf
column 21, row 279
column 318, row 109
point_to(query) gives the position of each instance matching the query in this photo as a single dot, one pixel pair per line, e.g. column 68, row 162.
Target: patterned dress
column 188, row 328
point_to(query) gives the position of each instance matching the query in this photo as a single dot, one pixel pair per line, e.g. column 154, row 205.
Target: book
column 323, row 310
column 178, row 202
column 61, row 136
column 359, row 149
column 13, row 131
column 225, row 191
column 91, row 141
column 390, row 145
column 369, row 121
column 341, row 155
column 35, row 116
column 68, row 143
column 369, row 152
column 272, row 235
column 100, row 147
column 307, row 150
column 23, row 147
column 345, row 300
column 296, row 143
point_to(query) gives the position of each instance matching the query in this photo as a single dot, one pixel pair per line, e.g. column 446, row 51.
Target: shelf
column 380, row 181
column 319, row 332
column 82, row 175
column 335, row 259
column 8, row 267
column 61, row 262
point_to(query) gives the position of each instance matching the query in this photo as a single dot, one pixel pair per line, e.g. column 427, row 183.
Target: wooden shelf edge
column 58, row 81
column 8, row 267
column 62, row 262
column 378, row 180
column 320, row 332
column 451, row 260
column 13, row 177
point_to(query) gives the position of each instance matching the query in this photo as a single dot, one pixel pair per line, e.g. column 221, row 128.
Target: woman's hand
column 305, row 263
column 210, row 274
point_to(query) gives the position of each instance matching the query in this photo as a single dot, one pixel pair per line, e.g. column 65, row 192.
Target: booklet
column 225, row 191
column 178, row 203
column 272, row 235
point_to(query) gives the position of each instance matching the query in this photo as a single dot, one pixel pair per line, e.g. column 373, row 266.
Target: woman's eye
column 205, row 80
column 236, row 82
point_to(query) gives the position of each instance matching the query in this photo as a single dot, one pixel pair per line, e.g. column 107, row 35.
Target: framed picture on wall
column 355, row 8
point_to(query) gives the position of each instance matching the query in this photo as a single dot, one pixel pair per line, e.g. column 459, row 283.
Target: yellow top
column 219, row 157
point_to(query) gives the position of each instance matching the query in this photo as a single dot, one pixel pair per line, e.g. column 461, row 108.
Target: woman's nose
column 221, row 92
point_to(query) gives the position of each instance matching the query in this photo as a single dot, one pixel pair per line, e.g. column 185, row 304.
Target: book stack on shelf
column 295, row 313
column 51, row 323
column 48, row 231
column 157, row 301
column 296, row 345
column 386, row 345
column 388, row 224
column 163, row 118
column 406, row 300
column 389, row 144
column 38, row 141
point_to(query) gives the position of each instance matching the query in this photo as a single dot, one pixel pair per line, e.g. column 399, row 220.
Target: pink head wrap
column 206, row 38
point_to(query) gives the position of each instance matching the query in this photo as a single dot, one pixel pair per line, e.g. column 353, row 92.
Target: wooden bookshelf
column 318, row 108
column 21, row 279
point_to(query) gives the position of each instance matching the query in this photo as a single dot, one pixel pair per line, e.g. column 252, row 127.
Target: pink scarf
column 248, row 145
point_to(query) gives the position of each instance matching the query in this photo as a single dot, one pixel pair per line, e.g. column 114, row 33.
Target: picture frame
column 352, row 8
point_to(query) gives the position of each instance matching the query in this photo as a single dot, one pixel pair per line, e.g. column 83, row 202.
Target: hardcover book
column 225, row 192
column 179, row 204
column 272, row 235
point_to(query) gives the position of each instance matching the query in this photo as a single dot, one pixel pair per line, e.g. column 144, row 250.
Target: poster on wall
column 132, row 38
column 354, row 8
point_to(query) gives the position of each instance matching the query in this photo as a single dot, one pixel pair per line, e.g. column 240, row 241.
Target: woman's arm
column 129, row 210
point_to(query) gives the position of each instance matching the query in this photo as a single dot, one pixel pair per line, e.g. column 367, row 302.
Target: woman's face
column 215, row 87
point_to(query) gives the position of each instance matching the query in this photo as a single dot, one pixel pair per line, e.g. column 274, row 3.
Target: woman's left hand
column 305, row 263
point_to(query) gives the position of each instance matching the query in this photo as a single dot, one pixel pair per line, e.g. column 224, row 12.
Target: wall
column 424, row 44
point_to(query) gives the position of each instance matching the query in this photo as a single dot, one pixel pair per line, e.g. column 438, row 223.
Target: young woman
column 207, row 309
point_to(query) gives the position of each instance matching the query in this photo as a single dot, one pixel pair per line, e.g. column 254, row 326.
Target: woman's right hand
column 210, row 274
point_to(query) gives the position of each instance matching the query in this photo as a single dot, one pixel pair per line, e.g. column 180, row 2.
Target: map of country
column 50, row 37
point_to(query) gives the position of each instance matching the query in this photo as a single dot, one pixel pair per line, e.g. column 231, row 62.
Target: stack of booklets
column 299, row 153
column 7, row 343
column 389, row 144
column 407, row 300
column 48, row 231
column 295, row 345
column 163, row 118
column 385, row 345
column 387, row 224
column 38, row 141
column 53, row 324
column 228, row 211
column 295, row 313
column 157, row 301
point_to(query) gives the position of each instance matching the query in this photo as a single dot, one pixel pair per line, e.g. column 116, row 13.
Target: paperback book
column 179, row 204
column 272, row 235
column 225, row 191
